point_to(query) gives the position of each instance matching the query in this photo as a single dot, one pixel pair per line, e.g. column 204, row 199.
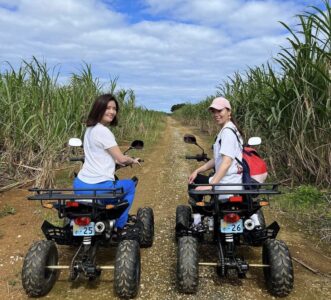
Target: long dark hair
column 98, row 109
column 234, row 121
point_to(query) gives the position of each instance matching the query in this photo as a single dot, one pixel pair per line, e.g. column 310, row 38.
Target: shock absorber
column 229, row 237
column 87, row 240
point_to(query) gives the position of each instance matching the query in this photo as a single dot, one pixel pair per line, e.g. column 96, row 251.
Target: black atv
column 230, row 222
column 88, row 224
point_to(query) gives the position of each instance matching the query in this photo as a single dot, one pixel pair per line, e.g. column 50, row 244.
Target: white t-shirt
column 227, row 144
column 99, row 165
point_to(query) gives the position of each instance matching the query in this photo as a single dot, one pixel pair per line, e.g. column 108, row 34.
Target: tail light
column 82, row 221
column 72, row 204
column 231, row 218
column 236, row 199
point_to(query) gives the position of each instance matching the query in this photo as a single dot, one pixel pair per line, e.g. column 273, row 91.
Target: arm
column 119, row 157
column 207, row 166
column 224, row 167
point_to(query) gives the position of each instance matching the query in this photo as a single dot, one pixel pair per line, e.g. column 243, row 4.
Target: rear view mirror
column 254, row 141
column 75, row 142
column 137, row 144
column 190, row 139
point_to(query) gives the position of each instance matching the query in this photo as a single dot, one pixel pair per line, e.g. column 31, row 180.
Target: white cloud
column 183, row 54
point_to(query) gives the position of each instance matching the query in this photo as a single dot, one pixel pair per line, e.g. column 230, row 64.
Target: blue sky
column 168, row 52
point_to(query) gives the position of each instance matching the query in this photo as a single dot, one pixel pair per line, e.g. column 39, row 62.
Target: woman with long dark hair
column 102, row 153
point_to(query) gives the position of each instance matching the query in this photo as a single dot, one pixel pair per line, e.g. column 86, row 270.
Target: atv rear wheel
column 187, row 264
column 279, row 276
column 146, row 216
column 127, row 269
column 37, row 280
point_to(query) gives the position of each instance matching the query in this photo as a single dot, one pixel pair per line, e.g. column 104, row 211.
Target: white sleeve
column 104, row 137
column 228, row 143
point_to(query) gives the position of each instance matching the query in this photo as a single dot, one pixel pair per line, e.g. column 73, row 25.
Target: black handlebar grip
column 191, row 157
column 82, row 158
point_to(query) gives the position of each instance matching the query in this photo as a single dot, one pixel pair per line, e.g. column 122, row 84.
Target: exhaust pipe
column 100, row 227
column 249, row 224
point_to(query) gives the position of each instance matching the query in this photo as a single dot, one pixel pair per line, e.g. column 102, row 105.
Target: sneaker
column 131, row 231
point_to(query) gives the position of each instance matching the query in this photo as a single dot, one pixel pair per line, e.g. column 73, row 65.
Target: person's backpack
column 254, row 167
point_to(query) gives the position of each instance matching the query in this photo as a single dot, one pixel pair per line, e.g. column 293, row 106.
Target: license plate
column 83, row 230
column 232, row 227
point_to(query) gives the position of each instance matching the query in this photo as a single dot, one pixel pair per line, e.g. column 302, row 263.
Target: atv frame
column 230, row 224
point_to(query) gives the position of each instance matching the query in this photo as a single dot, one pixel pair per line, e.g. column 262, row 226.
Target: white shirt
column 99, row 165
column 227, row 144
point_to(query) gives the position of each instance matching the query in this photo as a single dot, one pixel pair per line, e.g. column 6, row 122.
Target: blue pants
column 129, row 190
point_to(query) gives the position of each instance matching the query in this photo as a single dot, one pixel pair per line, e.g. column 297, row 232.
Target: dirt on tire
column 162, row 186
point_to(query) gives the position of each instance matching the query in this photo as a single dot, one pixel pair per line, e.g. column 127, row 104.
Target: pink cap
column 219, row 103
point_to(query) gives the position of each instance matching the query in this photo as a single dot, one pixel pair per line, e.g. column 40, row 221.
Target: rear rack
column 57, row 194
column 260, row 188
column 90, row 205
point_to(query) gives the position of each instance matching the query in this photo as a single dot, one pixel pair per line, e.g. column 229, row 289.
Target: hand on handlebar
column 192, row 176
column 137, row 161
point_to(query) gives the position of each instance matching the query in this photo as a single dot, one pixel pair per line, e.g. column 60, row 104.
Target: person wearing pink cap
column 226, row 151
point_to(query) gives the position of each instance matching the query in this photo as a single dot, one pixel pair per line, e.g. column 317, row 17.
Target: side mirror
column 137, row 144
column 75, row 142
column 254, row 141
column 190, row 139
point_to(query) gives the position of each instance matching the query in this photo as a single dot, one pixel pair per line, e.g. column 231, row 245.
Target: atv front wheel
column 37, row 280
column 279, row 275
column 127, row 269
column 187, row 265
column 146, row 216
column 183, row 217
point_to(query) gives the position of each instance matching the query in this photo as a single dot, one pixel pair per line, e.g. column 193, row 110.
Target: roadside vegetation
column 7, row 210
column 39, row 115
column 287, row 102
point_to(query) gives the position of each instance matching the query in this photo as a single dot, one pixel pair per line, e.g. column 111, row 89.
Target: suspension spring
column 229, row 238
column 87, row 240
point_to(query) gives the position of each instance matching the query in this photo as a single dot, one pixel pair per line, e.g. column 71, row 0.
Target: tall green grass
column 38, row 115
column 289, row 108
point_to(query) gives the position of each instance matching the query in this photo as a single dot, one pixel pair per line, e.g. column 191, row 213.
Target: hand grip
column 191, row 157
column 81, row 158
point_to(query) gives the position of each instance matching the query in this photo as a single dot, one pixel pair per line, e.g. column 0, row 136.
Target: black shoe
column 131, row 231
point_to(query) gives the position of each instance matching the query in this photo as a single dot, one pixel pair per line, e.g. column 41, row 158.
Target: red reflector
column 231, row 218
column 236, row 199
column 82, row 221
column 72, row 204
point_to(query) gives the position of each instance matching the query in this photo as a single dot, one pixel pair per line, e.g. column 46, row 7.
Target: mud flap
column 272, row 230
column 60, row 235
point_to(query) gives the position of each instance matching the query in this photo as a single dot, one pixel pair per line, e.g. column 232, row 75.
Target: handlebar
column 198, row 157
column 190, row 157
column 79, row 158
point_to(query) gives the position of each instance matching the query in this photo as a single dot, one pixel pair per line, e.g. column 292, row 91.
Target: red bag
column 257, row 166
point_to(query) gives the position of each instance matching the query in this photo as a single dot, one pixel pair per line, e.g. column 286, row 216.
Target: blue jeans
column 129, row 190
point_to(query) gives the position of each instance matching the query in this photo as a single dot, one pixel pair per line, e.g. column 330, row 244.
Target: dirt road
column 162, row 186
